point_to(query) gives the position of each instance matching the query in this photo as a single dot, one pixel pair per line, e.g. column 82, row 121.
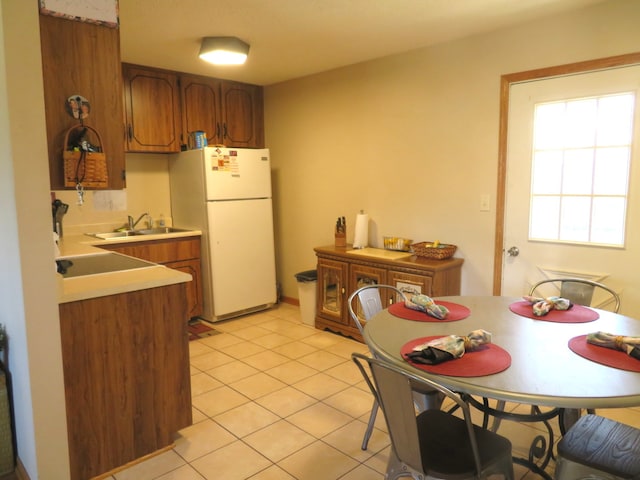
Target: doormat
column 199, row 329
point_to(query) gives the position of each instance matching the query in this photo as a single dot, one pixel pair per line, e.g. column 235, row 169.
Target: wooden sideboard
column 341, row 271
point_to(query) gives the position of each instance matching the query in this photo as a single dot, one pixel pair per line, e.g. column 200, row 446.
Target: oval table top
column 543, row 370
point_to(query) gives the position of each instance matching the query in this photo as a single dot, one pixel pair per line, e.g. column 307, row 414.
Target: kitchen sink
column 160, row 230
column 135, row 233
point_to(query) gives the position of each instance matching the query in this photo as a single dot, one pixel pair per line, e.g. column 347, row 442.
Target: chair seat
column 446, row 450
column 599, row 444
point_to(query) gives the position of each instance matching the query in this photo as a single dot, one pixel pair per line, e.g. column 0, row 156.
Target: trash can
column 307, row 281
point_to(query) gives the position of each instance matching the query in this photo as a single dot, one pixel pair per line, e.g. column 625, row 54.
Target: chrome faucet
column 132, row 224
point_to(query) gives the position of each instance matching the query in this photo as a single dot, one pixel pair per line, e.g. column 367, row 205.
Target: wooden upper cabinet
column 152, row 107
column 82, row 59
column 231, row 113
column 243, row 115
column 201, row 109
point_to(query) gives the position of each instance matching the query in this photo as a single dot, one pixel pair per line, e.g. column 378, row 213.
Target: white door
column 526, row 261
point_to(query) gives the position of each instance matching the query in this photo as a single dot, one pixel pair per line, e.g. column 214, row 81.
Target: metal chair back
column 581, row 291
column 370, row 302
column 419, row 440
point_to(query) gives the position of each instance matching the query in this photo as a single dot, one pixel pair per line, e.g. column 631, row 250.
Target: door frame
column 505, row 84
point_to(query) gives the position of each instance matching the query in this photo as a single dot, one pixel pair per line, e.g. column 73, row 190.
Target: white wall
column 27, row 281
column 413, row 139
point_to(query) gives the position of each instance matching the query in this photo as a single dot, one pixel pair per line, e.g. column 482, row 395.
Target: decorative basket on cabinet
column 428, row 250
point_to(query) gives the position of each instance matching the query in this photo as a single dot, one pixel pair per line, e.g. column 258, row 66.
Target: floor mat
column 200, row 329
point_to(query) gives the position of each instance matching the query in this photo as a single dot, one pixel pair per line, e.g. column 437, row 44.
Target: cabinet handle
column 129, row 132
column 224, row 134
column 217, row 130
column 343, row 290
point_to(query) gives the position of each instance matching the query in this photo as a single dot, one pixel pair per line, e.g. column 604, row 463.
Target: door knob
column 513, row 252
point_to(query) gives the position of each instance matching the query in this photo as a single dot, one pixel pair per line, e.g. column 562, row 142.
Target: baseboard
column 290, row 301
column 21, row 472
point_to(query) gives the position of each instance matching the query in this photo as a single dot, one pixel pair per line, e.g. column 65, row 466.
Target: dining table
column 541, row 361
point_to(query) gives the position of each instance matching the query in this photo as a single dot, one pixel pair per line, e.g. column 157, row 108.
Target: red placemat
column 487, row 360
column 456, row 312
column 603, row 355
column 576, row 314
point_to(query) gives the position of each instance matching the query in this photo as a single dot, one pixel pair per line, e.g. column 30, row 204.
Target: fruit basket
column 435, row 250
column 397, row 243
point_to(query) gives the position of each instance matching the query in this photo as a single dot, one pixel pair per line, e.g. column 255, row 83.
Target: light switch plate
column 484, row 202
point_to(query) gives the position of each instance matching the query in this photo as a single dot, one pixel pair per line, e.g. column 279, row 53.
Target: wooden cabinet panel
column 201, row 109
column 431, row 277
column 180, row 253
column 243, row 115
column 194, row 291
column 126, row 375
column 332, row 288
column 410, row 283
column 152, row 107
column 231, row 113
column 80, row 58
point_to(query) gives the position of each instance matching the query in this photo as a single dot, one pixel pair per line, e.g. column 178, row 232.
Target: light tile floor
column 275, row 399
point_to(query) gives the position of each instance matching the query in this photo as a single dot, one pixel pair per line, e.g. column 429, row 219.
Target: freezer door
column 242, row 255
column 236, row 173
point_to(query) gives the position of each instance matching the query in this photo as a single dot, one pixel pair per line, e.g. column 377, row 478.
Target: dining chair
column 432, row 442
column 371, row 303
column 580, row 291
column 596, row 447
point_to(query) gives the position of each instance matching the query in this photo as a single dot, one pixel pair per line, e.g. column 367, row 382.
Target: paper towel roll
column 361, row 237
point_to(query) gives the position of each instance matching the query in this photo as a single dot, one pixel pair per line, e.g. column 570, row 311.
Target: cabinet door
column 410, row 283
column 361, row 276
column 242, row 115
column 201, row 107
column 332, row 289
column 152, row 108
column 83, row 59
column 194, row 289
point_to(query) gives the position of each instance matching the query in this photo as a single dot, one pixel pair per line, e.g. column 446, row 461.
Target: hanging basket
column 83, row 167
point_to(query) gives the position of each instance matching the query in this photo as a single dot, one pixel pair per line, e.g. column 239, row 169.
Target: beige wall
column 28, row 294
column 413, row 139
column 147, row 192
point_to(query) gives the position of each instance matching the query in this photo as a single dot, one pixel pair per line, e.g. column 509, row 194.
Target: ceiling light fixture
column 224, row 50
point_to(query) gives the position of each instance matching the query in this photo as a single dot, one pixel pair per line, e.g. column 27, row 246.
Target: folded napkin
column 629, row 345
column 426, row 304
column 448, row 348
column 542, row 306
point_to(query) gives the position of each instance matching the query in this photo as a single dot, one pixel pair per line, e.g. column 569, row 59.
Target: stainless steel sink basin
column 160, row 230
column 134, row 233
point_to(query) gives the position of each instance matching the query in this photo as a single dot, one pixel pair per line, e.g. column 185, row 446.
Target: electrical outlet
column 484, row 202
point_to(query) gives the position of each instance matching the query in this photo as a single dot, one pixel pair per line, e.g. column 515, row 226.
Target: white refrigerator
column 226, row 193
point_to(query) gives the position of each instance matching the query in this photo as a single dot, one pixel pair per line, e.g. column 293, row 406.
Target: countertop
column 91, row 286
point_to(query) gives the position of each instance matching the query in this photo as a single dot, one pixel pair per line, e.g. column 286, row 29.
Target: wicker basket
column 424, row 249
column 87, row 168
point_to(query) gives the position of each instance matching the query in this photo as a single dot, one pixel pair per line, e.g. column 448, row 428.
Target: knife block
column 341, row 239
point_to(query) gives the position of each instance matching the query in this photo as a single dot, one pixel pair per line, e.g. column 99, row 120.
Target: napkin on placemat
column 542, row 306
column 448, row 348
column 425, row 304
column 629, row 345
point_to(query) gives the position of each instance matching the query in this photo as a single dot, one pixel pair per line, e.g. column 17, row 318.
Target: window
column 580, row 170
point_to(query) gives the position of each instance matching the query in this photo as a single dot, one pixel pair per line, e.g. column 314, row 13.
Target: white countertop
column 112, row 283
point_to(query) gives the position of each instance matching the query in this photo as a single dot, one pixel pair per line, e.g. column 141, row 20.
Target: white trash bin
column 307, row 283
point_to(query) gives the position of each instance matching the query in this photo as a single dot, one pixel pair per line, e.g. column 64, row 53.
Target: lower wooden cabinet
column 181, row 253
column 126, row 376
column 340, row 273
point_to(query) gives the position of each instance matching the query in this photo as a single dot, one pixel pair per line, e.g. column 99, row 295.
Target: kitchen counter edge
column 112, row 283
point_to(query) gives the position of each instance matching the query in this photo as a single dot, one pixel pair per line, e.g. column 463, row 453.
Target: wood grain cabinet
column 341, row 273
column 181, row 253
column 126, row 376
column 82, row 59
column 152, row 109
column 230, row 113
